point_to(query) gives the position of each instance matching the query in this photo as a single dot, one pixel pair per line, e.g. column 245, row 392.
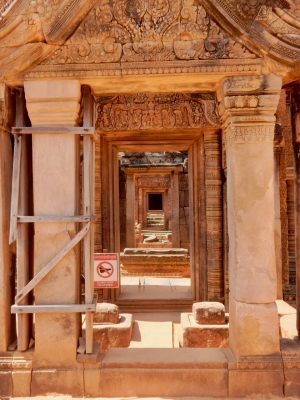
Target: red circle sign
column 105, row 269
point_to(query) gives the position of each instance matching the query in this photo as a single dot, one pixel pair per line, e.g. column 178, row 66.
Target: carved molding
column 158, row 112
column 248, row 134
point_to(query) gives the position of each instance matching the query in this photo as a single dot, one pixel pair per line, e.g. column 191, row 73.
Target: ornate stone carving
column 152, row 30
column 145, row 111
column 153, row 181
column 271, row 25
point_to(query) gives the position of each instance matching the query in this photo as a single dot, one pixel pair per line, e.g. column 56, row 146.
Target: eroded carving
column 145, row 111
column 245, row 134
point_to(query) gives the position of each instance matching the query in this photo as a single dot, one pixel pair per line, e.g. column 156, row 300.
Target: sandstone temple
column 157, row 142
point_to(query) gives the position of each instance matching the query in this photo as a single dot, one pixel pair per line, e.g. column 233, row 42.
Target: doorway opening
column 154, row 226
column 155, row 202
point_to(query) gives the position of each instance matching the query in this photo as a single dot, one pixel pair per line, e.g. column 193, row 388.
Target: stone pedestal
column 56, row 192
column 248, row 107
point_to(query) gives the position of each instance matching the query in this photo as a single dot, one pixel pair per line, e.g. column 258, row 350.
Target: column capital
column 247, row 106
column 53, row 103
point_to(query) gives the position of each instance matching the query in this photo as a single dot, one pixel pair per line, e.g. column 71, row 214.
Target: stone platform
column 203, row 336
column 173, row 262
column 113, row 335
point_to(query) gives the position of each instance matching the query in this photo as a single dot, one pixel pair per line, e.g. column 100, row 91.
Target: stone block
column 5, row 384
column 161, row 372
column 253, row 329
column 106, row 313
column 92, row 357
column 284, row 308
column 114, row 335
column 292, row 389
column 57, row 382
column 255, row 383
column 21, row 380
column 288, row 327
column 209, row 313
column 203, row 336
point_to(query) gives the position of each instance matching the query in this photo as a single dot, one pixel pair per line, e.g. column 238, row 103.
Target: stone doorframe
column 132, row 173
column 193, row 142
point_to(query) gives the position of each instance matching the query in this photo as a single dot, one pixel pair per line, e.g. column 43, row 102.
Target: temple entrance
column 156, row 263
column 177, row 139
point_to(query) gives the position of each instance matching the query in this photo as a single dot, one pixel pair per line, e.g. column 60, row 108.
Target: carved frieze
column 158, row 111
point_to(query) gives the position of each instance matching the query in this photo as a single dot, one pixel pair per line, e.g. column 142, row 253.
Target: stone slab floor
column 149, row 288
column 156, row 330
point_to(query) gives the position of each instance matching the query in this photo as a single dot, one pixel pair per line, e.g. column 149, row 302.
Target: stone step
column 159, row 372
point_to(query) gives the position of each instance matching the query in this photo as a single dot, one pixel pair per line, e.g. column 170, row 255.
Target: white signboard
column 106, row 270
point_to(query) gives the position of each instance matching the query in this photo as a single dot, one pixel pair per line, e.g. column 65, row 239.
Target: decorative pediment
column 148, row 30
column 79, row 38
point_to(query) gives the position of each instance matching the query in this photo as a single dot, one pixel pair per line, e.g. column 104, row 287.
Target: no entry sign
column 106, row 270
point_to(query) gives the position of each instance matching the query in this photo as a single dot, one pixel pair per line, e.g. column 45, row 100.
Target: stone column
column 277, row 232
column 6, row 283
column 214, row 215
column 130, row 210
column 248, row 105
column 56, row 192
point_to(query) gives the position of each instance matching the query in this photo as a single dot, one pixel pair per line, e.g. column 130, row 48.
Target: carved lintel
column 158, row 112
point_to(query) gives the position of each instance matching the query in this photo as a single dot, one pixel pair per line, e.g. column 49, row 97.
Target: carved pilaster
column 214, row 216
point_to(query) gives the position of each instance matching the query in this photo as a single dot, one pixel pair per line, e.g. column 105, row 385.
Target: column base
column 254, row 376
column 253, row 329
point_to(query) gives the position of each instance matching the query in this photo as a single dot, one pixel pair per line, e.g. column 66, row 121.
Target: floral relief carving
column 150, row 30
column 144, row 111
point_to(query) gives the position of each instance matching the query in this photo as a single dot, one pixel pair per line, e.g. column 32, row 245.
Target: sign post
column 106, row 270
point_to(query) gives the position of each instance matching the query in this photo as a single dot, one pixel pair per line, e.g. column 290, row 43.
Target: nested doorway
column 193, row 143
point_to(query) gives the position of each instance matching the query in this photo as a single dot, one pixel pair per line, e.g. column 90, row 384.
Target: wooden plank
column 59, row 130
column 23, row 231
column 55, row 308
column 15, row 190
column 81, row 347
column 36, row 218
column 88, row 156
column 48, row 267
column 23, row 245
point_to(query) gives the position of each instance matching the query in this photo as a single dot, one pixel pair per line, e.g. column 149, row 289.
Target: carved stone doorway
column 120, row 132
column 154, row 258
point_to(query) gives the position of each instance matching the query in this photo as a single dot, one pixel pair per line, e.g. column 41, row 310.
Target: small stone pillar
column 56, row 192
column 248, row 105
